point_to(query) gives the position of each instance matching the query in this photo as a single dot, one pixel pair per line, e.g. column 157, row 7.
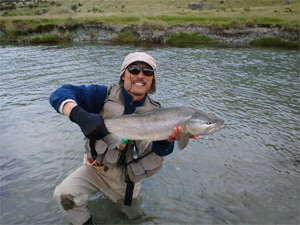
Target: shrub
column 5, row 13
column 95, row 10
column 10, row 29
column 74, row 7
column 288, row 10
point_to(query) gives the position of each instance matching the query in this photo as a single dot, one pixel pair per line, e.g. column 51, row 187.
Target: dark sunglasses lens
column 134, row 71
column 148, row 72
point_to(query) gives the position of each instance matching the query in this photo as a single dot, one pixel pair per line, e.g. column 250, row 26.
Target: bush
column 74, row 7
column 288, row 10
column 9, row 29
column 38, row 12
column 95, row 10
column 10, row 6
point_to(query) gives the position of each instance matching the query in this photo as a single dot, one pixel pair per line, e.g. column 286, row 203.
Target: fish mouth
column 215, row 128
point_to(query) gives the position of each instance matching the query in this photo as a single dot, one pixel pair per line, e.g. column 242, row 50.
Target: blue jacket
column 91, row 99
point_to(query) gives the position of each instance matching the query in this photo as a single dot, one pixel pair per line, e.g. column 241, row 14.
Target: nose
column 140, row 74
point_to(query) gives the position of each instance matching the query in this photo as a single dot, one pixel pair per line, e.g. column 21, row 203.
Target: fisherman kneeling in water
column 116, row 172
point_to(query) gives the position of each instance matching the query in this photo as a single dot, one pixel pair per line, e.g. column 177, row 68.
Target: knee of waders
column 68, row 200
column 65, row 200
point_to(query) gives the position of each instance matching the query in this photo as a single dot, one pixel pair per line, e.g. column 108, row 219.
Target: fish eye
column 209, row 123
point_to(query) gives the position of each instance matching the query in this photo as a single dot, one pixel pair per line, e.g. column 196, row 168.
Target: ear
column 123, row 76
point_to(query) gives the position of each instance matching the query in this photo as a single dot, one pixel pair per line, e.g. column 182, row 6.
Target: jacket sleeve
column 90, row 98
column 162, row 148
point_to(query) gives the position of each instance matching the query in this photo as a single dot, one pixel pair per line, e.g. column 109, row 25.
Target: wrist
column 67, row 108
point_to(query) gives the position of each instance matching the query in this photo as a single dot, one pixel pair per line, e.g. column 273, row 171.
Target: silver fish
column 157, row 124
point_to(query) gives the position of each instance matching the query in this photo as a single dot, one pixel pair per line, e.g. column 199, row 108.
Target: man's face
column 137, row 85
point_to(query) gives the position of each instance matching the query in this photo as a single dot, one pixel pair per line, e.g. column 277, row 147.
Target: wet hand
column 174, row 136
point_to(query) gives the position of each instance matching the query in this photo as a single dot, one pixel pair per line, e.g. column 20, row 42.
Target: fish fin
column 183, row 139
column 112, row 140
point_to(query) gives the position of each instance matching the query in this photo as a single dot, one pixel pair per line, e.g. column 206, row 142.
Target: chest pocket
column 145, row 166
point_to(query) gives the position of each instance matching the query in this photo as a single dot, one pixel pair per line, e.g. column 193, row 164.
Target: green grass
column 125, row 37
column 133, row 12
column 40, row 16
column 50, row 38
column 274, row 42
column 156, row 24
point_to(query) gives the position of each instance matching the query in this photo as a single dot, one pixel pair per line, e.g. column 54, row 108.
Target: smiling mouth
column 139, row 83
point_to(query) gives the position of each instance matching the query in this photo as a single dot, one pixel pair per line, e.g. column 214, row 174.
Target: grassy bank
column 214, row 12
column 39, row 16
column 274, row 41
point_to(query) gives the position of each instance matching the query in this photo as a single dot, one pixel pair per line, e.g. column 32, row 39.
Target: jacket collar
column 129, row 105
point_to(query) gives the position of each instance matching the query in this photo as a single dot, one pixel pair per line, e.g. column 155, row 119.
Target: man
column 114, row 172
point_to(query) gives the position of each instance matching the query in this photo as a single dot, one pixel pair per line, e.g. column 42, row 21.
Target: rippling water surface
column 247, row 173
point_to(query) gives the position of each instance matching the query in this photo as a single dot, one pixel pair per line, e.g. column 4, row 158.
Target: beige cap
column 139, row 57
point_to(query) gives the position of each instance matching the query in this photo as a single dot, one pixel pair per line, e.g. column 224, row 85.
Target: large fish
column 157, row 124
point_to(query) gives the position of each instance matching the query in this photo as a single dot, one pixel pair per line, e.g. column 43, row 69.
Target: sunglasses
column 136, row 69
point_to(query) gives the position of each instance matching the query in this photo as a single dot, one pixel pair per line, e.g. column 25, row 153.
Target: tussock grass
column 148, row 24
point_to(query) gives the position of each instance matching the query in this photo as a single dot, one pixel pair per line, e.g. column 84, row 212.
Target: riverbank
column 163, row 22
column 238, row 34
column 148, row 31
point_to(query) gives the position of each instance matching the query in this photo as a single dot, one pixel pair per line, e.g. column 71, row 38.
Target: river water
column 247, row 173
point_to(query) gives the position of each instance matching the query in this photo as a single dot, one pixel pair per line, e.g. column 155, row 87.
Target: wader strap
column 136, row 160
column 128, row 192
column 93, row 149
column 130, row 184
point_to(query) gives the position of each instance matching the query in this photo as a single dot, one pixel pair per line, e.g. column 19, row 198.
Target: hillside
column 211, row 12
column 271, row 22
